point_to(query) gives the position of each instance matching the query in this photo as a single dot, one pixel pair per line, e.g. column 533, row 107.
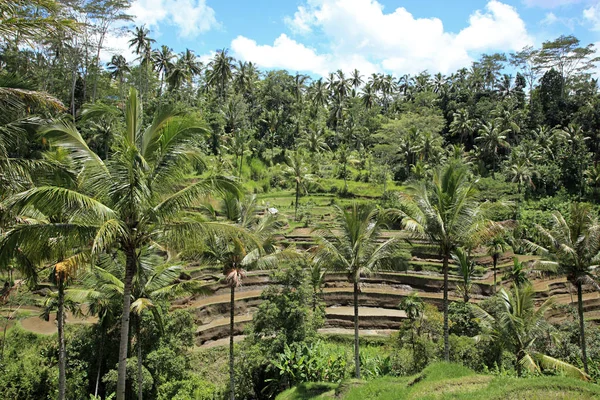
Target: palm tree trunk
column 582, row 327
column 231, row 359
column 356, row 352
column 100, row 355
column 446, row 338
column 495, row 261
column 131, row 265
column 297, row 198
column 62, row 353
column 140, row 379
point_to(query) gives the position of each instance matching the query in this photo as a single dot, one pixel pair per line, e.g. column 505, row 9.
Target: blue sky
column 401, row 36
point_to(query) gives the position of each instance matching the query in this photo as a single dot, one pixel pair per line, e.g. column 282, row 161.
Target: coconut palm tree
column 316, row 275
column 297, row 170
column 141, row 43
column 220, row 72
column 163, row 63
column 255, row 249
column 137, row 197
column 448, row 214
column 463, row 126
column 492, row 140
column 571, row 248
column 356, row 79
column 517, row 273
column 353, row 246
column 496, row 246
column 118, row 67
column 517, row 327
column 521, row 172
column 466, row 269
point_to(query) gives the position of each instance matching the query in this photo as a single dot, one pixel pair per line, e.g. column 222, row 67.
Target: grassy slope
column 448, row 381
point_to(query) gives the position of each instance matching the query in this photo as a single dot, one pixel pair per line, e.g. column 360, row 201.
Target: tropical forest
column 183, row 227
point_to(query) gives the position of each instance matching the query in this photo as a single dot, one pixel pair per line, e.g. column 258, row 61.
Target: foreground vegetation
column 447, row 381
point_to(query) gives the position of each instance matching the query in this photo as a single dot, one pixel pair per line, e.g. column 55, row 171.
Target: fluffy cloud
column 360, row 31
column 284, row 53
column 592, row 15
column 191, row 17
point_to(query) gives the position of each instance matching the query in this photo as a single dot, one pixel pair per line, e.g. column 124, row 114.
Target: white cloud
column 592, row 15
column 549, row 19
column 191, row 17
column 284, row 53
column 360, row 32
column 550, row 3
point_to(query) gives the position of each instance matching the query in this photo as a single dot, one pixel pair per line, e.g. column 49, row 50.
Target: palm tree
column 142, row 46
column 463, row 126
column 466, row 269
column 447, row 214
column 521, row 172
column 317, row 272
column 256, row 248
column 313, row 140
column 518, row 325
column 317, row 95
column 496, row 246
column 296, row 170
column 413, row 306
column 135, row 198
column 118, row 67
column 163, row 63
column 356, row 79
column 368, row 96
column 220, row 72
column 517, row 273
column 492, row 141
column 571, row 247
column 353, row 245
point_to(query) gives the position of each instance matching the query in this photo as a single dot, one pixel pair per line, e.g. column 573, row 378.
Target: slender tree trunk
column 231, row 359
column 140, row 378
column 495, row 261
column 100, row 356
column 73, row 85
column 518, row 202
column 297, row 198
column 356, row 352
column 582, row 327
column 446, row 342
column 62, row 356
column 131, row 266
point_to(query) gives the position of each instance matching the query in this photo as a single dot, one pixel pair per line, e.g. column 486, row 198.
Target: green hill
column 448, row 381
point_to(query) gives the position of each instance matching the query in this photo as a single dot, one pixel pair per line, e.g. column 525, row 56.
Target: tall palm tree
column 517, row 273
column 140, row 195
column 463, row 126
column 496, row 246
column 297, row 170
column 518, row 325
column 571, row 247
column 368, row 96
column 356, row 79
column 522, row 172
column 118, row 67
column 318, row 95
column 255, row 249
column 492, row 140
column 220, row 72
column 141, row 43
column 466, row 269
column 163, row 63
column 353, row 245
column 448, row 214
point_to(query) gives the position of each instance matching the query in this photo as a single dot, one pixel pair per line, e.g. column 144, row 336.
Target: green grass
column 449, row 381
